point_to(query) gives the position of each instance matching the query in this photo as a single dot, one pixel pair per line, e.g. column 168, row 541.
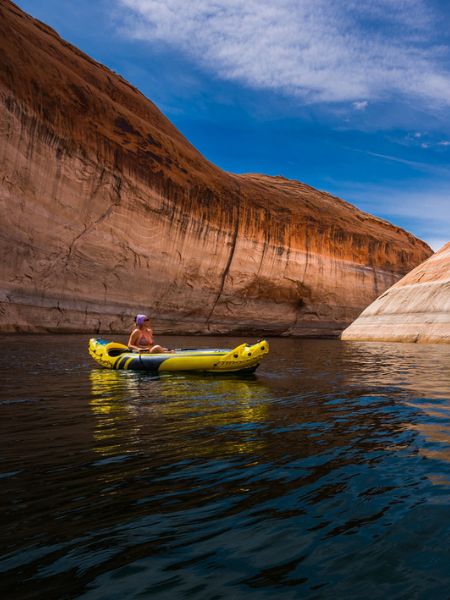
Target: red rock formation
column 106, row 210
column 416, row 309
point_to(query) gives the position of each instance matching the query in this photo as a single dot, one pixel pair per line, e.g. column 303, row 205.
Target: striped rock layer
column 416, row 309
column 107, row 210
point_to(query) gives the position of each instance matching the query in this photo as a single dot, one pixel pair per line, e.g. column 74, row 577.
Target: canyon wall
column 416, row 309
column 107, row 210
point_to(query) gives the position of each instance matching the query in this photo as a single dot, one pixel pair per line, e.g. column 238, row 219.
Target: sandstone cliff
column 107, row 210
column 416, row 309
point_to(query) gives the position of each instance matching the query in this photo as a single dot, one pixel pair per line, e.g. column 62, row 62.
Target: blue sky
column 350, row 96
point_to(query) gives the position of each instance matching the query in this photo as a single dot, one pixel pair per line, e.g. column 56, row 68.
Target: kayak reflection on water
column 131, row 407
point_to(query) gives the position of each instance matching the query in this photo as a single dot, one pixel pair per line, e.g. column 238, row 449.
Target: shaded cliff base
column 52, row 318
column 416, row 309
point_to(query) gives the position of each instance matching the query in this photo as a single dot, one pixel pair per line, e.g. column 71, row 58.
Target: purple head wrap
column 140, row 319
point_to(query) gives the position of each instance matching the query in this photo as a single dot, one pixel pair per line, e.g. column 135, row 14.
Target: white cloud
column 319, row 50
column 360, row 105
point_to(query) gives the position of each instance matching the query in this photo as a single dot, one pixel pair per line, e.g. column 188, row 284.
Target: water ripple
column 327, row 473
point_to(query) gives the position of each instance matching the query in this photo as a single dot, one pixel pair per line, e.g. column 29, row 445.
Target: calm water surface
column 325, row 475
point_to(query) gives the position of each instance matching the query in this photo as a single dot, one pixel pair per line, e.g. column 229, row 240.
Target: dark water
column 326, row 474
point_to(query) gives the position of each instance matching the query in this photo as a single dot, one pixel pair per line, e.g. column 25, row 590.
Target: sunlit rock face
column 107, row 210
column 416, row 309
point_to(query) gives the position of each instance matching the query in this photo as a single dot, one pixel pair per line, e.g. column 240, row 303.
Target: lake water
column 324, row 475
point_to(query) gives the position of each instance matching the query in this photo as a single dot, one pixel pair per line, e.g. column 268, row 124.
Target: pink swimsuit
column 144, row 340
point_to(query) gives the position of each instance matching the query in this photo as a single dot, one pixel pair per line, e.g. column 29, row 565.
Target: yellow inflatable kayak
column 242, row 359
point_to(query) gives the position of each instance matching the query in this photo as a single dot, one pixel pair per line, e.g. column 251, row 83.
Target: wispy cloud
column 322, row 51
column 430, row 168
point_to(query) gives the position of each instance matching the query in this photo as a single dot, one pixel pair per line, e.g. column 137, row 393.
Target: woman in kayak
column 141, row 338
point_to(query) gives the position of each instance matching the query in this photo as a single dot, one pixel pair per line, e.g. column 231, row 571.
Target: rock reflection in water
column 422, row 370
column 424, row 373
